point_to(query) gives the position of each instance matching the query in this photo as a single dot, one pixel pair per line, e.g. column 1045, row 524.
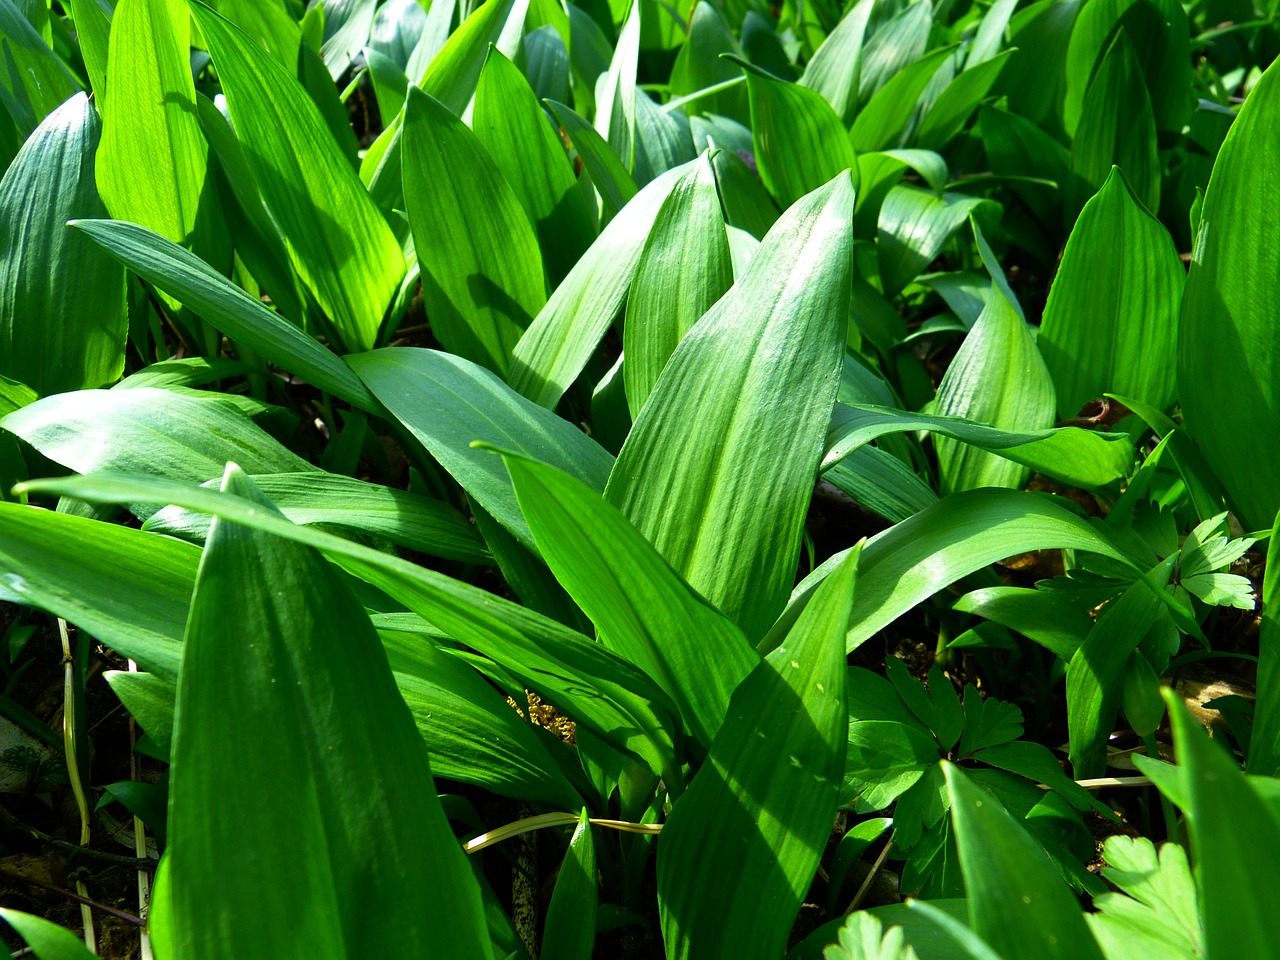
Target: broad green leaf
column 1111, row 321
column 130, row 590
column 481, row 267
column 894, row 45
column 914, row 225
column 45, row 939
column 611, row 179
column 228, row 308
column 565, row 333
column 1095, row 672
column 1264, row 743
column 148, row 698
column 1018, row 902
column 997, row 377
column 570, row 931
column 92, row 20
column 879, row 125
column 268, row 22
column 600, row 691
column 513, row 127
column 956, row 104
column 683, row 270
column 740, row 414
column 800, row 142
column 449, row 403
column 151, row 431
column 700, row 65
column 1046, row 617
column 390, row 85
column 352, row 507
column 1159, row 916
column 990, row 36
column 1235, row 843
column 62, row 301
column 149, row 123
column 1081, row 458
column 1116, row 128
column 834, row 68
column 882, row 483
column 639, row 604
column 1228, row 369
column 351, row 817
column 765, row 796
column 346, row 30
column 337, row 240
column 453, row 72
column 663, row 139
column 962, row 533
column 44, row 80
column 1015, row 145
column 884, row 759
column 616, row 109
column 1040, row 32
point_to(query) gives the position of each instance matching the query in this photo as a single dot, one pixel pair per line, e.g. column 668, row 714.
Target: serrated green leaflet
column 337, row 241
column 764, row 796
column 481, row 266
column 740, row 414
column 48, row 273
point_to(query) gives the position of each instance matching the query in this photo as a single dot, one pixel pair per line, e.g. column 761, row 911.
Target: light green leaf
column 683, row 270
column 92, row 21
column 1018, row 901
column 351, row 507
column 1048, row 618
column 834, row 68
column 244, row 319
column 453, row 72
column 346, row 30
column 1264, row 743
column 570, row 931
column 1111, row 321
column 882, row 483
column 879, row 125
column 449, row 403
column 949, row 113
column 45, row 80
column 148, row 698
column 914, row 225
column 1159, row 918
column 740, row 414
column 1228, row 369
column 764, row 797
column 50, row 338
column 337, row 240
column 700, row 65
column 997, row 377
column 616, row 109
column 340, row 845
column 639, row 604
column 863, row 937
column 561, row 339
column 149, row 122
column 481, row 267
column 46, row 939
column 611, row 179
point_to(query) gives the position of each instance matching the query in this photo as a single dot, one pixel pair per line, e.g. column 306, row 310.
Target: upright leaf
column 1228, row 367
column 740, row 415
column 481, row 268
column 337, row 240
column 339, row 841
column 764, row 798
column 37, row 75
column 62, row 301
column 570, row 930
column 835, row 67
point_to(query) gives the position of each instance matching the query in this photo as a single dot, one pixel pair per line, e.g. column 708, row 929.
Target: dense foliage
column 630, row 480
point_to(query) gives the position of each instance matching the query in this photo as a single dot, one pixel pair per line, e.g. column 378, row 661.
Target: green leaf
column 600, row 691
column 1116, row 128
column 149, row 700
column 639, row 604
column 44, row 80
column 879, row 125
column 46, row 939
column 765, row 796
column 800, row 142
column 346, row 30
column 884, row 759
column 882, row 483
column 683, row 270
column 49, row 339
column 949, row 113
column 481, row 267
column 936, row 706
column 241, row 317
column 1235, row 843
column 1159, row 917
column 513, row 127
column 314, row 673
column 616, row 108
column 570, row 931
column 561, row 339
column 1111, row 321
column 1081, row 458
column 149, row 122
column 1049, row 618
column 1018, row 902
column 700, row 65
column 998, row 350
column 863, row 937
column 338, row 242
column 1264, row 744
column 987, row 722
column 129, row 589
column 834, row 68
column 448, row 403
column 453, row 72
column 1015, row 145
column 740, row 414
column 914, row 225
column 352, row 507
column 1228, row 372
column 962, row 533
column 611, row 179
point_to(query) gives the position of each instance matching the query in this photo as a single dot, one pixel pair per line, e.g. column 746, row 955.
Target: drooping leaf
column 740, row 414
column 349, row 839
column 337, row 240
column 45, row 939
column 50, row 338
column 764, row 796
column 1228, row 372
column 481, row 266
